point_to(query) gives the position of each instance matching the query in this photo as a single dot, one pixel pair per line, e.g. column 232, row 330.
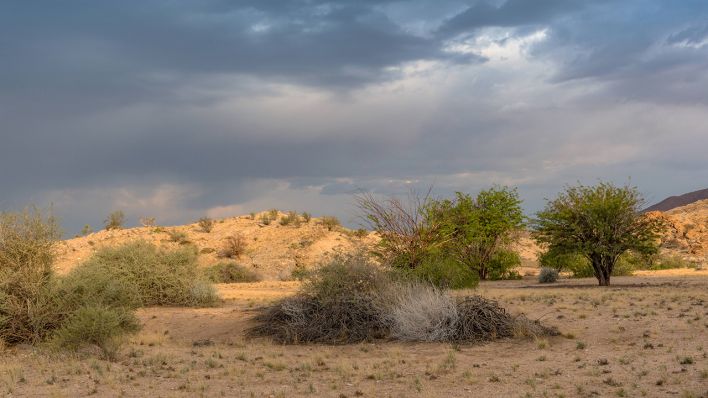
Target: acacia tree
column 600, row 222
column 407, row 235
column 481, row 228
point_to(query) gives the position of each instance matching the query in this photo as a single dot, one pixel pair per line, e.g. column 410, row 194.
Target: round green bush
column 445, row 272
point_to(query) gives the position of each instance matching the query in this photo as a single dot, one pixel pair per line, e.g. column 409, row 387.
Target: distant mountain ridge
column 673, row 202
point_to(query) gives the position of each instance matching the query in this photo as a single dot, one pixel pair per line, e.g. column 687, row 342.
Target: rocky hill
column 686, row 234
column 273, row 250
column 673, row 202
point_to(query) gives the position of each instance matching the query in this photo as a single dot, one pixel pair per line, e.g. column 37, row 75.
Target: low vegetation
column 230, row 272
column 548, row 275
column 234, row 246
column 291, row 218
column 330, row 222
column 93, row 305
column 206, row 224
column 351, row 300
column 178, row 237
column 27, row 282
column 443, row 272
column 153, row 276
column 115, row 220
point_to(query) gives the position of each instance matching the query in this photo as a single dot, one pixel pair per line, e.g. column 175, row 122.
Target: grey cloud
column 105, row 100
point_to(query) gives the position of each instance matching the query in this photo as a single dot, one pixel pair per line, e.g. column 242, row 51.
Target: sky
column 178, row 109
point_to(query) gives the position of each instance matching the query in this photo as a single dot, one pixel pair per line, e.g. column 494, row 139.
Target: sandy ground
column 646, row 336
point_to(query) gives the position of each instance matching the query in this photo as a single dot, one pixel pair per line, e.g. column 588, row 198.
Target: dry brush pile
column 350, row 300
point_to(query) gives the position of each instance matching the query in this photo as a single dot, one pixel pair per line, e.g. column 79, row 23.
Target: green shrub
column 299, row 272
column 501, row 265
column 445, row 272
column 671, row 262
column 115, row 220
column 290, row 218
column 178, row 237
column 156, row 277
column 28, row 305
column 206, row 224
column 330, row 222
column 86, row 230
column 575, row 263
column 103, row 327
column 273, row 214
column 626, row 264
column 265, row 219
column 548, row 275
column 230, row 272
column 306, row 216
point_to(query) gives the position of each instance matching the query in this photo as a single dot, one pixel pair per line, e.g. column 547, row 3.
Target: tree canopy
column 600, row 222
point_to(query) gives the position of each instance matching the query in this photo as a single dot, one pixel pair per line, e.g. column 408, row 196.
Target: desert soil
column 645, row 336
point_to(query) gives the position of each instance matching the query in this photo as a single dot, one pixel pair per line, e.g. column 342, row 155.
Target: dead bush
column 337, row 304
column 482, row 319
column 421, row 312
column 147, row 221
column 234, row 246
column 206, row 224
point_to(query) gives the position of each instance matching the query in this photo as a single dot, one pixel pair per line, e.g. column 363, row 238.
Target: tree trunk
column 603, row 270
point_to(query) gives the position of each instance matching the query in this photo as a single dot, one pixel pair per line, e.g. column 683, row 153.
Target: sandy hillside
column 272, row 250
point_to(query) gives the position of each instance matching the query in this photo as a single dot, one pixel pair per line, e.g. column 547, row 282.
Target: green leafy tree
column 600, row 222
column 479, row 230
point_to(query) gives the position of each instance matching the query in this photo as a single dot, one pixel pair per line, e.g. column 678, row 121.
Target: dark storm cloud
column 205, row 98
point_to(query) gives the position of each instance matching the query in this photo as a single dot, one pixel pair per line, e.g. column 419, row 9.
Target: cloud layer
column 180, row 109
